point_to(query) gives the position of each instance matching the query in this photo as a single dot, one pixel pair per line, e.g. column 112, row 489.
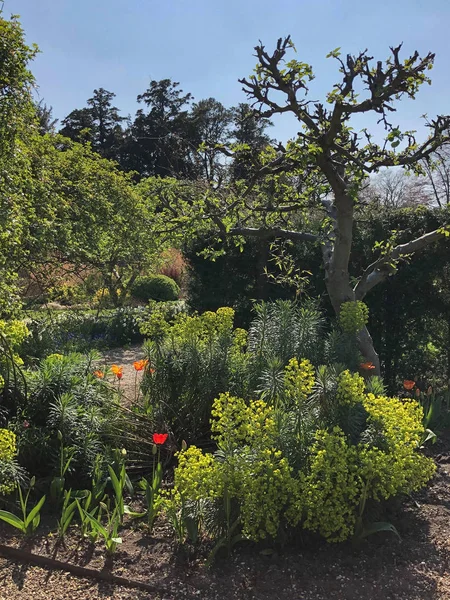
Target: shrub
column 327, row 489
column 66, row 404
column 155, row 287
column 353, row 316
column 195, row 358
column 80, row 331
column 173, row 266
column 192, row 361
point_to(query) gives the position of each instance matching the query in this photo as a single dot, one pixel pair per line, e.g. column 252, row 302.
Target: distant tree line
column 170, row 136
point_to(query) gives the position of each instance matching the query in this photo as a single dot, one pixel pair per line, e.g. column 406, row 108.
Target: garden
column 230, row 380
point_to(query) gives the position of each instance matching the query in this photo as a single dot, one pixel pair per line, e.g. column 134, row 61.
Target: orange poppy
column 408, row 384
column 98, row 374
column 151, row 371
column 118, row 371
column 139, row 365
column 367, row 366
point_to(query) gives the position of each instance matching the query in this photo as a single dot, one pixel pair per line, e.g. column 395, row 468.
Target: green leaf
column 34, row 511
column 12, row 520
column 377, row 527
column 96, row 525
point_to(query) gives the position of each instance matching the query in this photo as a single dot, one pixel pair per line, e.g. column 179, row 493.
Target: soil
column 382, row 567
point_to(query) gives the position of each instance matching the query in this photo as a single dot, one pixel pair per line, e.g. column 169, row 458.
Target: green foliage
column 153, row 497
column 16, row 127
column 198, row 357
column 67, row 409
column 353, row 316
column 11, row 473
column 109, row 531
column 30, row 519
column 359, row 447
column 191, row 362
column 80, row 331
column 155, row 287
column 67, row 513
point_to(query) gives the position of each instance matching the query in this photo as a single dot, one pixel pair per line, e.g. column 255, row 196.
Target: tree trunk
column 336, row 258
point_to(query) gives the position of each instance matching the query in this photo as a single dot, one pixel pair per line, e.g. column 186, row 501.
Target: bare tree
column 438, row 173
column 395, row 189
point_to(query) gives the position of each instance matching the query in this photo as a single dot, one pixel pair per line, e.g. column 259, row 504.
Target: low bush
column 10, row 472
column 195, row 358
column 80, row 331
column 155, row 287
column 65, row 405
column 359, row 448
column 191, row 361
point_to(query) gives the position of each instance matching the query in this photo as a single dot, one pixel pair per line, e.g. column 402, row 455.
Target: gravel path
column 125, row 357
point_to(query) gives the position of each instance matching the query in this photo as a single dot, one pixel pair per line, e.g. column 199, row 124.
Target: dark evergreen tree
column 249, row 133
column 158, row 143
column 79, row 125
column 99, row 123
column 211, row 123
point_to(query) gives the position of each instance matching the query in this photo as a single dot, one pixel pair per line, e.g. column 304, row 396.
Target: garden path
column 125, row 357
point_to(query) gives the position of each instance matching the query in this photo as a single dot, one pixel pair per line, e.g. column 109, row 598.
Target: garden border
column 20, row 555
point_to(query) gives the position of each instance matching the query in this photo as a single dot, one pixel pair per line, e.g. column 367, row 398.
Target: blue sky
column 207, row 45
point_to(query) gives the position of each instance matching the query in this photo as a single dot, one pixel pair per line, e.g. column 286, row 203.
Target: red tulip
column 160, row 438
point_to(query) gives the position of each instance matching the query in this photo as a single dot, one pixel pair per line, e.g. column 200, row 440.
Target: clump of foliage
column 80, row 331
column 364, row 447
column 10, row 472
column 66, row 405
column 192, row 361
column 155, row 287
column 195, row 358
column 353, row 316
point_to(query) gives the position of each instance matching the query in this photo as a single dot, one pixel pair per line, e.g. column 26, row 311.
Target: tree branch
column 274, row 232
column 380, row 269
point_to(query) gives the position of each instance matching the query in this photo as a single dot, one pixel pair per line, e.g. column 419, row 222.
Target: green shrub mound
column 307, row 460
column 155, row 287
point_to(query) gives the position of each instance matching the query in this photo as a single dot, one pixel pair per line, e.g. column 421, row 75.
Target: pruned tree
column 307, row 191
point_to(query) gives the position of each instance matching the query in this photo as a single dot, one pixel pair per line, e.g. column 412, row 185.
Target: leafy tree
column 98, row 220
column 307, row 191
column 17, row 125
